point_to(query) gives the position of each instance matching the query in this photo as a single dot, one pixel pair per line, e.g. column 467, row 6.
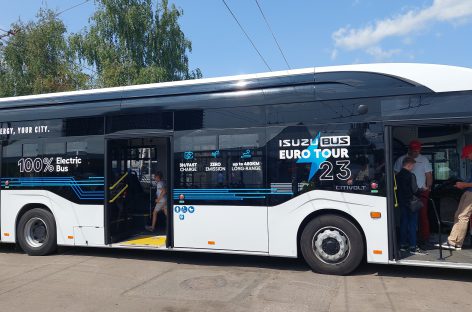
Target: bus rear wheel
column 37, row 232
column 332, row 244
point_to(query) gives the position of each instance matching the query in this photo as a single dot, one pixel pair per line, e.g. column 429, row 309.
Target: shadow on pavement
column 191, row 258
column 402, row 271
column 291, row 264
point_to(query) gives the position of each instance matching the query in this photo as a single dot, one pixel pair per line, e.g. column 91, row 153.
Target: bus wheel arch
column 36, row 230
column 336, row 224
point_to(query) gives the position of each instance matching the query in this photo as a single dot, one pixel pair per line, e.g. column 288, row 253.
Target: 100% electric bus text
column 36, row 164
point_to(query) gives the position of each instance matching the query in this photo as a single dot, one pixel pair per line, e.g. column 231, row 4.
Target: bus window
column 52, row 148
column 30, row 150
column 343, row 158
column 232, row 160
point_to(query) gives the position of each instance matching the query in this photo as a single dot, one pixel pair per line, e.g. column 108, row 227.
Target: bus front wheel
column 332, row 244
column 37, row 232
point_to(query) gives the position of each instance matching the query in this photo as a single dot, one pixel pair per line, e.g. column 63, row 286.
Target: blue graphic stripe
column 76, row 186
column 227, row 194
column 225, row 190
column 32, row 182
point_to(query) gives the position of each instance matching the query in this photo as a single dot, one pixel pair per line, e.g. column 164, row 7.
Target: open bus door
column 132, row 162
column 391, row 194
column 441, row 144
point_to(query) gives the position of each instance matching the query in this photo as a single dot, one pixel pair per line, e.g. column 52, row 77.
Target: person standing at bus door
column 464, row 210
column 161, row 200
column 407, row 189
column 424, row 177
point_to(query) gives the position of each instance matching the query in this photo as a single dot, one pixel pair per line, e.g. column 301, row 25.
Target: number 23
column 327, row 167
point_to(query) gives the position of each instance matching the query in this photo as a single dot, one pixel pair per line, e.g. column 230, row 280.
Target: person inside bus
column 363, row 173
column 161, row 200
column 407, row 190
column 135, row 191
column 424, row 177
column 464, row 210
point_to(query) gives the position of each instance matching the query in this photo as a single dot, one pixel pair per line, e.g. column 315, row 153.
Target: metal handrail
column 439, row 228
column 119, row 193
column 118, row 182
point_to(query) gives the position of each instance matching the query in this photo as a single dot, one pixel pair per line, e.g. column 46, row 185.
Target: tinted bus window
column 220, row 118
column 30, row 150
column 12, row 152
column 188, row 119
column 73, row 170
column 52, row 148
column 343, row 158
column 83, row 126
column 335, row 111
column 53, row 128
column 235, row 117
column 224, row 167
column 144, row 121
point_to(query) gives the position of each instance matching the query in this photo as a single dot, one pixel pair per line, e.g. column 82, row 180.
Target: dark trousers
column 408, row 223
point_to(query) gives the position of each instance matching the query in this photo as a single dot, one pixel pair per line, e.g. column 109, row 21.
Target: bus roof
column 438, row 78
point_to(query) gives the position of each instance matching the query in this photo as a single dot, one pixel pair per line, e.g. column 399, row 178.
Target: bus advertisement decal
column 323, row 153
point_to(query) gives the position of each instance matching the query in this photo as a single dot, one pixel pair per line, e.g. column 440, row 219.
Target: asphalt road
column 91, row 279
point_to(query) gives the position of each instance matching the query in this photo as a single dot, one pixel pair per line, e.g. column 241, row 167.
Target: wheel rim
column 331, row 245
column 36, row 232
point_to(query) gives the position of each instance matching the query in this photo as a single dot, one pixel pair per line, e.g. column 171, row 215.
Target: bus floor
column 146, row 239
column 456, row 256
column 433, row 254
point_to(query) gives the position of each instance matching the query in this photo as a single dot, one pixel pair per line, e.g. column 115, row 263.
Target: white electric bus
column 287, row 164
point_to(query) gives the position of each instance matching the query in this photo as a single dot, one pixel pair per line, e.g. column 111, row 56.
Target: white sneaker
column 448, row 246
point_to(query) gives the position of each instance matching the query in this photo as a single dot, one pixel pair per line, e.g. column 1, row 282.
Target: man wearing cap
column 464, row 211
column 424, row 177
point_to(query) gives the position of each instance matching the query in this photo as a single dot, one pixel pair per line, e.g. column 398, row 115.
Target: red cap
column 415, row 145
column 466, row 150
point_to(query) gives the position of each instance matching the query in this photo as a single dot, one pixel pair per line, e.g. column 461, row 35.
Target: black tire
column 36, row 232
column 332, row 244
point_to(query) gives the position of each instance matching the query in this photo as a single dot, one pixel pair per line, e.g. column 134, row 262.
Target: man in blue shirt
column 464, row 211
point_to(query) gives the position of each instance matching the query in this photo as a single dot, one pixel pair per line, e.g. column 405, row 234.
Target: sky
column 309, row 32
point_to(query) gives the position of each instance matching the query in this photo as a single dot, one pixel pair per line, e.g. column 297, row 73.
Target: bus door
column 436, row 147
column 132, row 164
column 391, row 193
column 116, row 187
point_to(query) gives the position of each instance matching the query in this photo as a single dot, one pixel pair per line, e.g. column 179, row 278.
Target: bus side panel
column 285, row 220
column 242, row 228
column 67, row 215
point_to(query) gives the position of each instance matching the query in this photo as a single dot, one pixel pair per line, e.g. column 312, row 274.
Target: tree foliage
column 126, row 42
column 134, row 42
column 37, row 59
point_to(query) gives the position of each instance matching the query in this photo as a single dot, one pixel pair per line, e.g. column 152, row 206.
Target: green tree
column 133, row 42
column 37, row 59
